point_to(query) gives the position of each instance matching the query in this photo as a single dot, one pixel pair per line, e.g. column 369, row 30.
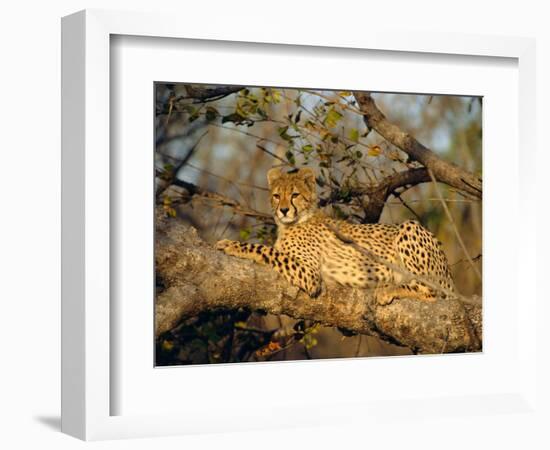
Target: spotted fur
column 307, row 252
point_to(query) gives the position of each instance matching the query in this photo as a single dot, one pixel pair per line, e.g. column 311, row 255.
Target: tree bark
column 195, row 277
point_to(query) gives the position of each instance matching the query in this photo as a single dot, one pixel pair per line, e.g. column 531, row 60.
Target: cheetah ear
column 308, row 175
column 272, row 175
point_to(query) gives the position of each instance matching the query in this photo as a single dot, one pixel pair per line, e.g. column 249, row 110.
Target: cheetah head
column 293, row 195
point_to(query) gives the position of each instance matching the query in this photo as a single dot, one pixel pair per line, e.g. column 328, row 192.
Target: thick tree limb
column 197, row 278
column 444, row 171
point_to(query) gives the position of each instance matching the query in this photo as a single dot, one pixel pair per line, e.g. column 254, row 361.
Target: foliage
column 230, row 336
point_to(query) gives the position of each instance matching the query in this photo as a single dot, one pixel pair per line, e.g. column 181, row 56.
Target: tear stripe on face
column 294, row 207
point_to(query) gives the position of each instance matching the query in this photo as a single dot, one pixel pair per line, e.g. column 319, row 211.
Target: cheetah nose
column 283, row 210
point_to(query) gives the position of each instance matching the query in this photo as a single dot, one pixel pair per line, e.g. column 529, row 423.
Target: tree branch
column 444, row 171
column 202, row 93
column 455, row 228
column 379, row 193
column 196, row 93
column 197, row 278
column 218, row 200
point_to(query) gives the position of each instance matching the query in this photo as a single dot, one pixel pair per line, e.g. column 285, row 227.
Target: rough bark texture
column 443, row 171
column 198, row 278
column 202, row 93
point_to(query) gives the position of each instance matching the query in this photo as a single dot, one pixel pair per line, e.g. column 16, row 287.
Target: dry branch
column 379, row 193
column 202, row 93
column 444, row 171
column 195, row 94
column 455, row 228
column 197, row 278
column 190, row 191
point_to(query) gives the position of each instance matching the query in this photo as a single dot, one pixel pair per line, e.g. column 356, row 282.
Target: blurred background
column 212, row 153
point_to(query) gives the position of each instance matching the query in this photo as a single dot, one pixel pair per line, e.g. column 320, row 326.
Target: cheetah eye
column 276, row 196
column 295, row 194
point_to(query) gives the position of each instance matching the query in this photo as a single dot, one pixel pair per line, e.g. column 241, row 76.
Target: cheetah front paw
column 228, row 246
column 384, row 297
column 221, row 245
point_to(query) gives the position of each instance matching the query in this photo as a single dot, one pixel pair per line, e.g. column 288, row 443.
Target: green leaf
column 354, row 134
column 309, row 341
column 237, row 119
column 339, row 213
column 276, row 95
column 344, row 195
column 244, row 234
column 284, row 135
column 332, row 118
column 189, row 109
column 307, row 148
column 290, row 157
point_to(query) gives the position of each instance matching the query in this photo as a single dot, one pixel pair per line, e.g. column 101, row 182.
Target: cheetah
column 308, row 252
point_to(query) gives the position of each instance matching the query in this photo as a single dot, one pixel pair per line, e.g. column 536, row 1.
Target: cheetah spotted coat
column 309, row 254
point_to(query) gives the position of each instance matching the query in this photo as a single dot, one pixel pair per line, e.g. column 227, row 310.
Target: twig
column 448, row 200
column 180, row 163
column 397, row 195
column 345, row 105
column 221, row 201
column 358, row 349
column 254, row 136
column 453, row 224
column 263, row 149
column 475, row 258
column 254, row 330
column 240, row 183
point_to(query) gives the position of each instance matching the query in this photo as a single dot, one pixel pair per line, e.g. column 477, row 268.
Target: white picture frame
column 87, row 328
